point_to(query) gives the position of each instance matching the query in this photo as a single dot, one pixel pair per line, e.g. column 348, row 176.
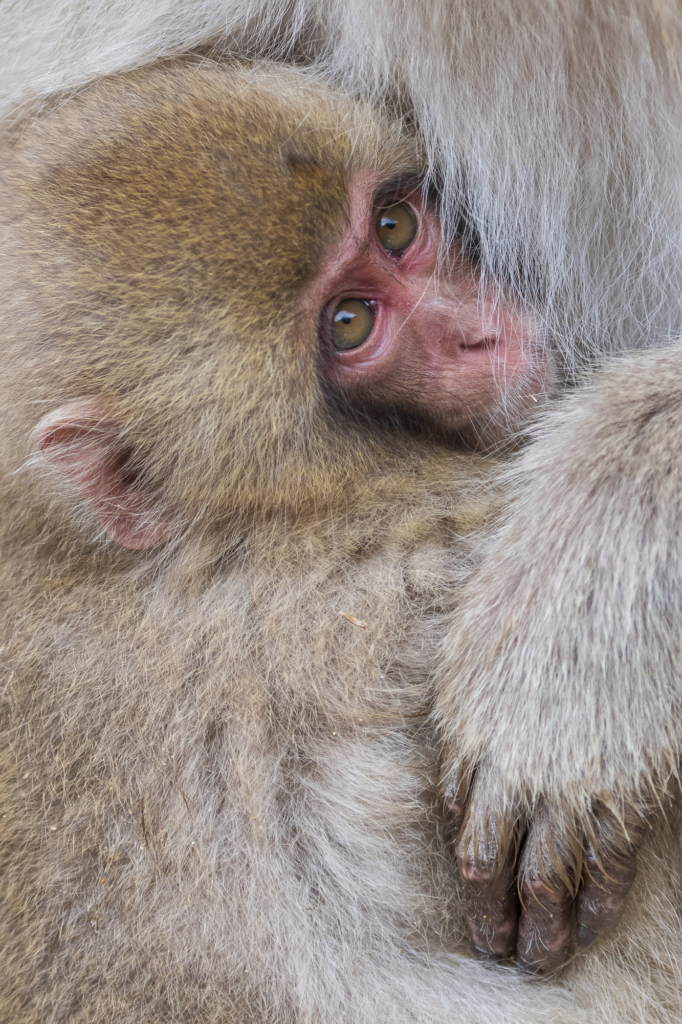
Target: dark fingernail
column 487, row 955
column 584, row 936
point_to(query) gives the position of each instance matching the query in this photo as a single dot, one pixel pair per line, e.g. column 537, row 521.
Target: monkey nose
column 458, row 343
column 488, row 341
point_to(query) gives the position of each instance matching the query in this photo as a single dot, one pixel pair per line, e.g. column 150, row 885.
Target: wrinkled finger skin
column 609, row 869
column 533, row 914
column 490, row 893
column 602, row 895
column 549, row 874
column 492, row 910
column 545, row 926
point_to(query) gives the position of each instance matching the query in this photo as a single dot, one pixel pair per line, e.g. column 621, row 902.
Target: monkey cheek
column 487, row 397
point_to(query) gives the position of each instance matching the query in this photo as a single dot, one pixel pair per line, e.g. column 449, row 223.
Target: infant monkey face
column 265, row 245
column 406, row 328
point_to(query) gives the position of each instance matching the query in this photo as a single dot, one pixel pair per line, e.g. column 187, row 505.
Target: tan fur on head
column 163, row 260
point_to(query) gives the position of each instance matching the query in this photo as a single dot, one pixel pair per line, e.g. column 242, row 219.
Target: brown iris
column 396, row 227
column 352, row 323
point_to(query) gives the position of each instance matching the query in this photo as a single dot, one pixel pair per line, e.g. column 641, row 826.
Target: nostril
column 489, row 342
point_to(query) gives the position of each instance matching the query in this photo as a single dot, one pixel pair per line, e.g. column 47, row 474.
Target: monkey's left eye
column 352, row 323
column 396, row 227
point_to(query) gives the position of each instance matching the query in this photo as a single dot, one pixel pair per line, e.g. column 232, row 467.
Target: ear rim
column 80, row 439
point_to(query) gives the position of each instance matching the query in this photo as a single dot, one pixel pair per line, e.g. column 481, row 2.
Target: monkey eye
column 396, row 227
column 352, row 323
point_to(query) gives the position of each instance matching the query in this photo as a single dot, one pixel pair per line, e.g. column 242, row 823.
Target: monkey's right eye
column 352, row 323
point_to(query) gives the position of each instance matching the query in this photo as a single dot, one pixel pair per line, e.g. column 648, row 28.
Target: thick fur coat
column 553, row 132
column 219, row 777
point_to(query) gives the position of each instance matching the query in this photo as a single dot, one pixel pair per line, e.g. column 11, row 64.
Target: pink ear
column 83, row 441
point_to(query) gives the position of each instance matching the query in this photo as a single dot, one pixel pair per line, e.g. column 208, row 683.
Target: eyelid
column 401, row 189
column 392, row 199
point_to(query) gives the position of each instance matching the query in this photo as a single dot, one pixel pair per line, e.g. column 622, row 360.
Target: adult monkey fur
column 554, row 130
column 255, row 833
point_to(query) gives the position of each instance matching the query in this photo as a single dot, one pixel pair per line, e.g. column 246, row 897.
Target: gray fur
column 556, row 127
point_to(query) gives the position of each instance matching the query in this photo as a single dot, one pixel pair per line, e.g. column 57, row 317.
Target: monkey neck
column 349, row 508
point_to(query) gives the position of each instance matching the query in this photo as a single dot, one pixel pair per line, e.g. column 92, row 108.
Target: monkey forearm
column 565, row 661
column 562, row 679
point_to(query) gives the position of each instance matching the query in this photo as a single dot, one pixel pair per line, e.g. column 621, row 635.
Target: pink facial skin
column 445, row 348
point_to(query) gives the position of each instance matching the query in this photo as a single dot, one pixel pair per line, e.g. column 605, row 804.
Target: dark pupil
column 345, row 318
column 388, row 222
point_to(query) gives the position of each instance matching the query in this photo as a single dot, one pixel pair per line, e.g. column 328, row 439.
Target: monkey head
column 405, row 332
column 199, row 258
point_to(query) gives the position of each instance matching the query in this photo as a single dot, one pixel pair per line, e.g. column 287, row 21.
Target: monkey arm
column 561, row 681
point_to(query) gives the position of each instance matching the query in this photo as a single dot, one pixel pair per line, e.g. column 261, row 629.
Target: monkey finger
column 457, row 798
column 487, row 859
column 548, row 872
column 602, row 895
column 455, row 811
column 544, row 926
column 609, row 869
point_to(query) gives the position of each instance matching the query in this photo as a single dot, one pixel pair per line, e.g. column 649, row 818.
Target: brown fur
column 218, row 775
column 219, row 818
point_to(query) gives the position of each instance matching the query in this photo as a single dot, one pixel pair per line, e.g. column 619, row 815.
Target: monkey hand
column 534, row 882
column 561, row 680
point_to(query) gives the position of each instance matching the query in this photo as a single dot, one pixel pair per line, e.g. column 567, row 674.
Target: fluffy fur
column 219, row 779
column 555, row 127
column 554, row 135
column 581, row 660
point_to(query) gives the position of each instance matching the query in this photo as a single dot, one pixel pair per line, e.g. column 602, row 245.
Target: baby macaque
column 228, row 563
column 401, row 336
